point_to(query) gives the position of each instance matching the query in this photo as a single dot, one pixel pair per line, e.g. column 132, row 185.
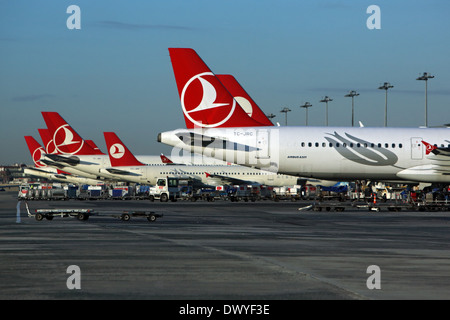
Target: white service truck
column 165, row 189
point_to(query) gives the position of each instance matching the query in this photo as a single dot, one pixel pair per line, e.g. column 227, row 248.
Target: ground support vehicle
column 292, row 193
column 165, row 189
column 127, row 215
column 373, row 204
column 336, row 193
column 122, row 193
column 49, row 214
column 242, row 192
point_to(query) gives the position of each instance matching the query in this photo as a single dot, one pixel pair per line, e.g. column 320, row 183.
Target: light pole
column 306, row 106
column 285, row 110
column 326, row 100
column 385, row 86
column 270, row 116
column 425, row 77
column 352, row 94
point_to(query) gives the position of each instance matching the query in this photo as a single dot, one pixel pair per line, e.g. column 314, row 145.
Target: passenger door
column 416, row 148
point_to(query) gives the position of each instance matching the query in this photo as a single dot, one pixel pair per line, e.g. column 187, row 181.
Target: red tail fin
column 204, row 100
column 47, row 141
column 429, row 147
column 164, row 159
column 94, row 146
column 244, row 100
column 36, row 151
column 65, row 139
column 119, row 155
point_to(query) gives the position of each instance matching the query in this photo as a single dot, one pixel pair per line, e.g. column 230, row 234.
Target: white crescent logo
column 245, row 104
column 68, row 140
column 117, row 151
column 38, row 156
column 208, row 101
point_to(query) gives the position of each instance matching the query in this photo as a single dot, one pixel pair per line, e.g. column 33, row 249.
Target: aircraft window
column 386, row 145
column 442, row 145
column 317, row 144
column 344, row 145
column 372, row 145
column 400, row 145
column 330, row 145
column 358, row 145
column 393, row 145
column 309, row 144
column 324, row 144
column 351, row 145
column 303, row 144
column 337, row 144
column 379, row 145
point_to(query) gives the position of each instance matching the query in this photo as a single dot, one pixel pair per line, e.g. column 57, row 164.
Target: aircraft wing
column 54, row 164
column 122, row 172
column 227, row 179
column 72, row 160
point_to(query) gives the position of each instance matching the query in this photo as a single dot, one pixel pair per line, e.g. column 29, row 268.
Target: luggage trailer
column 84, row 214
column 49, row 214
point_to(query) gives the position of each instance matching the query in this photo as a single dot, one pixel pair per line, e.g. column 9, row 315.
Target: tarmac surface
column 223, row 250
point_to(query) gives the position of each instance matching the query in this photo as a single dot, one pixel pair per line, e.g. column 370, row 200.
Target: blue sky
column 114, row 74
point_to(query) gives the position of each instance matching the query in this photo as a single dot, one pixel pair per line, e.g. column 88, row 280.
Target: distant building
column 11, row 174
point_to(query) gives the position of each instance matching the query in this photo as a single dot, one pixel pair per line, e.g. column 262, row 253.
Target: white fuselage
column 98, row 166
column 332, row 153
column 207, row 174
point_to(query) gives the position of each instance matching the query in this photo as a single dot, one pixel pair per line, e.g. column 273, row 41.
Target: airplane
column 71, row 152
column 130, row 168
column 330, row 153
column 42, row 170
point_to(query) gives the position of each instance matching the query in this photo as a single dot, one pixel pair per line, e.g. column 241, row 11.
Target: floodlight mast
column 352, row 94
column 306, row 106
column 425, row 77
column 385, row 87
column 326, row 100
column 285, row 111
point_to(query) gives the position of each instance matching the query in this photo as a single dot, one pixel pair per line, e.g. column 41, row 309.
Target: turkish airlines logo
column 117, row 151
column 429, row 147
column 200, row 101
column 65, row 142
column 37, row 156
